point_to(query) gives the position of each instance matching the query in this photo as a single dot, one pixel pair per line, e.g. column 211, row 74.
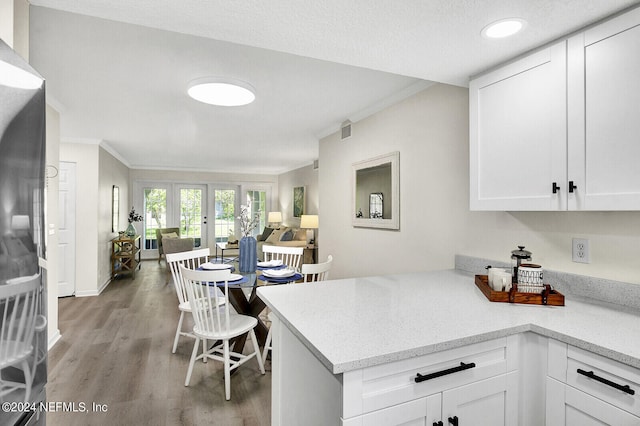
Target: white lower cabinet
column 490, row 402
column 471, row 385
column 587, row 389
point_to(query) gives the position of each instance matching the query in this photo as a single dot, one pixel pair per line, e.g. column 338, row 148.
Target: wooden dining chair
column 214, row 321
column 290, row 256
column 18, row 318
column 191, row 259
column 311, row 273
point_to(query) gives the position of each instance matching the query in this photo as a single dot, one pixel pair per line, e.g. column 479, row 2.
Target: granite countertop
column 361, row 322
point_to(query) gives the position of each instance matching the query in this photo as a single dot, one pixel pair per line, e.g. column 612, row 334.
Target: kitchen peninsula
column 349, row 352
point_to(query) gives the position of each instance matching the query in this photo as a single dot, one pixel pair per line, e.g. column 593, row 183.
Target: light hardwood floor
column 116, row 350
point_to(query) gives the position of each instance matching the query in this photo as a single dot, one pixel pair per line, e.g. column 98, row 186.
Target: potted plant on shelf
column 133, row 217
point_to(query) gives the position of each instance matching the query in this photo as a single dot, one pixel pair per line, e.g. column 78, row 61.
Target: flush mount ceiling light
column 12, row 76
column 221, row 91
column 503, row 28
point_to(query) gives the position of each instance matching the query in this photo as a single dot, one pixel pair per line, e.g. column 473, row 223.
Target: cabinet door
column 488, row 402
column 517, row 135
column 420, row 412
column 604, row 129
column 569, row 406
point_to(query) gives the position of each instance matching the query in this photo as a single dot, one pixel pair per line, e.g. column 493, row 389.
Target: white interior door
column 67, row 230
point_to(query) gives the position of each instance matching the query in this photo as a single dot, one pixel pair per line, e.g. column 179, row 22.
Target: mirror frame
column 394, row 221
column 115, row 208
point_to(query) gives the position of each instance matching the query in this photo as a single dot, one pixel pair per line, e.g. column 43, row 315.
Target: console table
column 125, row 255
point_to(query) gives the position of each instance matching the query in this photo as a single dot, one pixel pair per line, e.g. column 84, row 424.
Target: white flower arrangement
column 246, row 223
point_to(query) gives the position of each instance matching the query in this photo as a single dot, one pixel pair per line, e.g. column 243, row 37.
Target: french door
column 186, row 206
column 174, row 206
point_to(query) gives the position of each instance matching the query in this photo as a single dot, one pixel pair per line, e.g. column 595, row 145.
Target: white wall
column 303, row 176
column 431, row 132
column 86, row 157
column 111, row 172
column 51, row 217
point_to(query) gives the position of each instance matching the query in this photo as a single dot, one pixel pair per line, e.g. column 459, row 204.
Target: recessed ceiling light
column 221, row 91
column 503, row 28
column 12, row 76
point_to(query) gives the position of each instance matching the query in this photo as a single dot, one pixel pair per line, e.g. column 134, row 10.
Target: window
column 191, row 214
column 225, row 200
column 155, row 215
column 258, row 203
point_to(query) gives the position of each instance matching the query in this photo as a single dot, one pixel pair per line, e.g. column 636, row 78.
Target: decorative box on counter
column 548, row 296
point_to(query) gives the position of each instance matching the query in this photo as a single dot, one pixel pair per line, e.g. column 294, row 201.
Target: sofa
column 283, row 236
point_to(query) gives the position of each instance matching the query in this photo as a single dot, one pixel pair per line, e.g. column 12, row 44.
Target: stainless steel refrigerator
column 23, row 331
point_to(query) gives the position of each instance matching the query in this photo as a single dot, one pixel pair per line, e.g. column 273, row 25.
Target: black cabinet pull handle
column 438, row 423
column 572, row 187
column 453, row 420
column 554, row 187
column 421, row 378
column 592, row 375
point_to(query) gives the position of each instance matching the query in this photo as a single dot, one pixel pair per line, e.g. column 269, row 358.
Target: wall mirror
column 375, row 206
column 376, row 192
column 115, row 208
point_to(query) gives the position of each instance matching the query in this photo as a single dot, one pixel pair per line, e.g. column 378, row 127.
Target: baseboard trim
column 54, row 339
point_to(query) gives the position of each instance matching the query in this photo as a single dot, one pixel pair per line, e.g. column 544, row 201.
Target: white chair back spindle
column 18, row 315
column 191, row 260
column 209, row 314
column 290, row 256
column 316, row 271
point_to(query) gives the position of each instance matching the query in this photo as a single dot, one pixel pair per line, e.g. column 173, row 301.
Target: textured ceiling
column 312, row 63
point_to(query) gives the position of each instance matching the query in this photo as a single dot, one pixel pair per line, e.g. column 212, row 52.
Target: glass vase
column 248, row 254
column 131, row 230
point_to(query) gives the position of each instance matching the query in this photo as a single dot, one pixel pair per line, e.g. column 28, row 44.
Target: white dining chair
column 290, row 256
column 311, row 272
column 191, row 259
column 214, row 321
column 18, row 316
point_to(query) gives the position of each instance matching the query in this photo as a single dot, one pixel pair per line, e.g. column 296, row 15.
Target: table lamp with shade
column 274, row 219
column 309, row 222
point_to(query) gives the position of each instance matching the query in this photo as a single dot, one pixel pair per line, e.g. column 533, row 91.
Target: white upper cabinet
column 563, row 119
column 604, row 115
column 518, row 134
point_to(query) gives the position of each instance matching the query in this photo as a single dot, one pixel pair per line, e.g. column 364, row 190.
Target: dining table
column 242, row 294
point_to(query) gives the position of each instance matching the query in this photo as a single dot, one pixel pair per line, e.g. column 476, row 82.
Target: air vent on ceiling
column 345, row 129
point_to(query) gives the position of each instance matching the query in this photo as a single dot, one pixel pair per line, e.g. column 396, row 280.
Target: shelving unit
column 125, row 255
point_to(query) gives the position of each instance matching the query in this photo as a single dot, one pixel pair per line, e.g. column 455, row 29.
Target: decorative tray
column 547, row 297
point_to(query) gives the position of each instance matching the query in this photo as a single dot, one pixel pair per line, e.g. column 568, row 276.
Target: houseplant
column 248, row 245
column 133, row 217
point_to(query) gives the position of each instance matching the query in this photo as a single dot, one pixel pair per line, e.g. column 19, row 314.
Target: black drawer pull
column 438, row 423
column 554, row 187
column 592, row 375
column 421, row 378
column 453, row 421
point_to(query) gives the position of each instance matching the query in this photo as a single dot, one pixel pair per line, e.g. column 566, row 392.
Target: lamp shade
column 309, row 221
column 274, row 217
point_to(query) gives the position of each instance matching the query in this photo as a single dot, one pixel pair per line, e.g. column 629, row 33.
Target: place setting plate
column 215, row 266
column 279, row 273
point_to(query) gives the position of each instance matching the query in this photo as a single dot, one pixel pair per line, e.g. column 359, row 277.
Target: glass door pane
column 225, row 200
column 155, row 215
column 258, row 203
column 192, row 215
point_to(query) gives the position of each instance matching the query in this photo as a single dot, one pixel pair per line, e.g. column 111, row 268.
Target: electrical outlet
column 580, row 250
